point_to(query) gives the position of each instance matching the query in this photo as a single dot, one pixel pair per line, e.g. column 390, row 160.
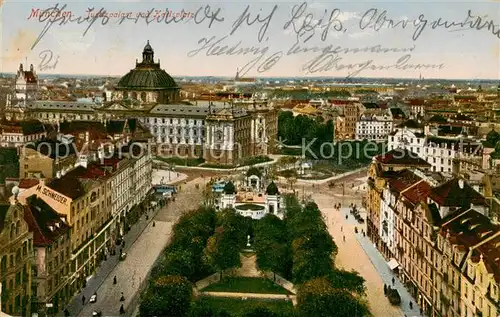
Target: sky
column 328, row 44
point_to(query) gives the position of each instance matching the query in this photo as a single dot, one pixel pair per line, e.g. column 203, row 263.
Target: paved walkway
column 133, row 272
column 248, row 266
column 251, row 295
column 103, row 271
column 351, row 255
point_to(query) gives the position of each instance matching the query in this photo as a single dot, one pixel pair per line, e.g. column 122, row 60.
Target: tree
column 319, row 298
column 168, row 296
column 349, row 281
column 260, row 312
column 270, row 245
column 222, row 252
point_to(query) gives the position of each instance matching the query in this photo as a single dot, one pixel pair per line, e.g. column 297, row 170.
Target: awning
column 393, row 264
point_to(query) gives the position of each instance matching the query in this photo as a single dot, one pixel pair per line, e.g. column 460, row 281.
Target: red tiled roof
column 468, row 229
column 450, row 194
column 418, row 192
column 402, row 157
column 405, row 179
column 46, row 225
column 28, row 183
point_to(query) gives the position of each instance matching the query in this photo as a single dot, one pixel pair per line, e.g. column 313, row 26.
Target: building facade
column 16, row 259
column 374, row 126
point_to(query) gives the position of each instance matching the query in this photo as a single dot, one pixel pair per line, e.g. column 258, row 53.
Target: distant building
column 18, row 133
column 443, row 153
column 345, row 124
column 374, row 125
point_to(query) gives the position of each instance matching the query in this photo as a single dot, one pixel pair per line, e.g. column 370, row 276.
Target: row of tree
column 301, row 249
column 295, row 130
column 203, row 242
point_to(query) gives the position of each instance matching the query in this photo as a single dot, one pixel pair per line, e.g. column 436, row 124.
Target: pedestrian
column 154, row 223
column 83, row 300
column 346, row 217
column 122, row 298
column 122, row 310
column 123, row 243
column 411, row 305
column 393, row 281
column 114, row 280
column 385, row 289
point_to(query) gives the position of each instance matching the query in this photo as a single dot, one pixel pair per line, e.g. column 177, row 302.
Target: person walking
column 122, row 310
column 393, row 281
column 114, row 280
column 83, row 300
column 122, row 298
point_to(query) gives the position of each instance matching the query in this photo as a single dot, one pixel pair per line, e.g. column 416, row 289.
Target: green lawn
column 246, row 285
column 236, row 307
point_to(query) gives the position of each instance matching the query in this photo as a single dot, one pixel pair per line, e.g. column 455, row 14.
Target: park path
column 248, row 266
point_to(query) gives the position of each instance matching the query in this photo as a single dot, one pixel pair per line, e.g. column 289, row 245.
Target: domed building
column 147, row 83
column 251, row 201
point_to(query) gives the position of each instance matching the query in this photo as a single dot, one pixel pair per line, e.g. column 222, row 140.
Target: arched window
column 12, row 230
column 143, row 96
column 125, row 95
column 4, row 264
column 134, row 95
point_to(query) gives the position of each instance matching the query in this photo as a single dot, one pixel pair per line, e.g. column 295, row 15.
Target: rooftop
column 456, row 193
column 402, row 157
column 47, row 226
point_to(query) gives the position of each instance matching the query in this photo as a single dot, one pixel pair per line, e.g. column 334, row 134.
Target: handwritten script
column 303, row 23
column 47, row 60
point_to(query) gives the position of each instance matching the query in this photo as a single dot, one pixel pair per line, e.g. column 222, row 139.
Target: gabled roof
column 402, row 157
column 452, row 194
column 68, row 185
column 418, row 192
column 47, row 226
column 468, row 228
column 403, row 180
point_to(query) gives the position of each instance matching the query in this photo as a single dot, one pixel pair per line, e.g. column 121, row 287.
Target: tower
column 148, row 54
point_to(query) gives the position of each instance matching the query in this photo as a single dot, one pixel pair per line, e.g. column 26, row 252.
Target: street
column 357, row 252
column 141, row 256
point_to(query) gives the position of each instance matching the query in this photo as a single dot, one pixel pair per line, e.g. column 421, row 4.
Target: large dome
column 147, row 75
column 144, row 79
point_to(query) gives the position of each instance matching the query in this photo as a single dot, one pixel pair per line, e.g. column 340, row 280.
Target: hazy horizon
column 445, row 40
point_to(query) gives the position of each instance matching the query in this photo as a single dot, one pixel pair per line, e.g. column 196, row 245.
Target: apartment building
column 52, row 245
column 383, row 168
column 437, row 235
column 47, row 158
column 374, row 125
column 443, row 153
column 16, row 254
column 18, row 133
column 98, row 203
